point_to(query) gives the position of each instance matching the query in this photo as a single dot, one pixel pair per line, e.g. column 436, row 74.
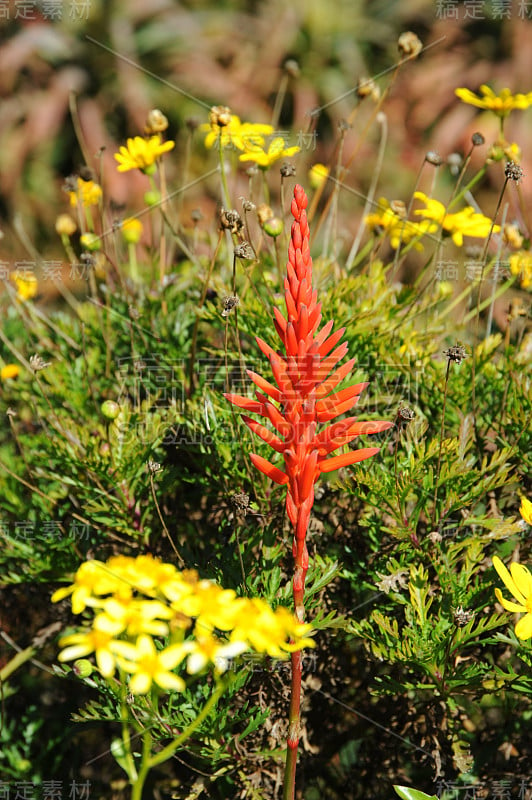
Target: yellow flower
column 317, row 175
column 519, row 582
column 263, row 159
column 138, row 616
column 142, row 154
column 88, row 193
column 513, row 152
column 236, row 134
column 131, row 230
column 91, row 580
column 501, row 103
column 464, row 223
column 149, row 665
column 398, row 229
column 275, row 633
column 206, row 649
column 9, row 371
column 25, row 284
column 521, row 264
column 526, row 510
column 100, row 640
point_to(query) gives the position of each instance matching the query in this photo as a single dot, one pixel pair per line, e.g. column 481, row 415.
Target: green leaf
column 406, row 793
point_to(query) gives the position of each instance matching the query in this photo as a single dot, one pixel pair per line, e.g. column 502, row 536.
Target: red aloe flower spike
column 302, row 400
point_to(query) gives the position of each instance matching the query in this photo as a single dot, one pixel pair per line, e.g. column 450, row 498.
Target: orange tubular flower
column 304, row 397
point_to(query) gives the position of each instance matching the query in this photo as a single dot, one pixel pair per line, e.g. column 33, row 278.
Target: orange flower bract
column 303, row 398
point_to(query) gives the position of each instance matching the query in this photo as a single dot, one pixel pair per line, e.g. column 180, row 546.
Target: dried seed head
column 244, row 251
column 231, row 220
column 456, row 353
column 435, row 537
column 513, row 172
column 247, row 205
column 71, row 184
column 264, row 213
column 240, row 502
column 405, row 415
column 433, row 158
column 37, row 363
column 462, row 616
column 220, row 115
column 512, row 236
column 252, row 171
column 192, row 123
column 454, row 161
column 153, row 467
column 287, row 170
column 196, row 215
column 409, row 45
column 368, row 88
column 477, row 139
column 156, row 122
column 230, row 302
column 291, row 67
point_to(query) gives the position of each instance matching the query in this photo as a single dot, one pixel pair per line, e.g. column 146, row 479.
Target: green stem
column 136, row 792
column 168, row 751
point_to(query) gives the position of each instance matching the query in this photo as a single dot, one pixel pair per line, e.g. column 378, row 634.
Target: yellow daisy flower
column 264, row 159
column 399, row 230
column 521, row 264
column 236, row 134
column 519, row 582
column 100, row 640
column 463, row 223
column 142, row 153
column 149, row 665
column 25, row 283
column 501, row 104
column 87, row 193
column 9, row 371
column 317, row 175
column 526, row 510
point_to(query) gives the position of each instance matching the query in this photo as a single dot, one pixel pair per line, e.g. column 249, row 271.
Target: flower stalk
column 303, row 399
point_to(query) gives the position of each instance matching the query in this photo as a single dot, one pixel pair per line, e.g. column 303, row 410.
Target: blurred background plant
column 125, row 316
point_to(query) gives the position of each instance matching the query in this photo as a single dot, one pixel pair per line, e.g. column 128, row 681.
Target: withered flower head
column 409, row 45
column 456, row 353
column 513, row 172
column 368, row 88
column 230, row 220
column 288, row 170
column 230, row 302
column 156, row 122
column 220, row 115
column 244, row 251
column 264, row 213
column 477, row 139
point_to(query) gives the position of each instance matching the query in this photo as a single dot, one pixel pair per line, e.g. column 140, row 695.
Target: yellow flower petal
column 508, row 580
column 526, row 510
column 523, row 629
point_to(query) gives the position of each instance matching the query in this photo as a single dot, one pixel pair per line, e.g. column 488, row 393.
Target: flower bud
column 110, row 409
column 65, row 225
column 317, row 175
column 83, row 668
column 91, row 241
column 273, row 227
column 152, row 197
column 131, row 230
